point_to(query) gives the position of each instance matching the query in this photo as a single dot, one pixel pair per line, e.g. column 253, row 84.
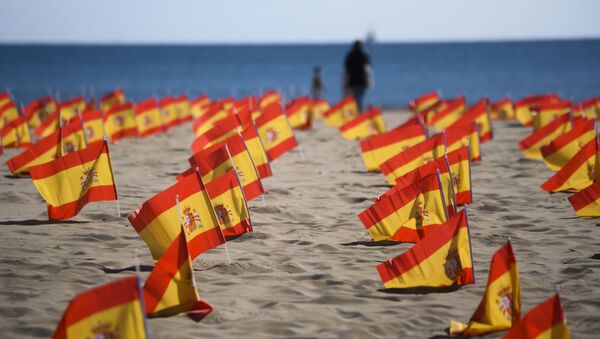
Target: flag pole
column 113, row 175
column 140, row 289
column 470, row 243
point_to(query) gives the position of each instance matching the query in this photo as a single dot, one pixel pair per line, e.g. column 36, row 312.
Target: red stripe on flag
column 282, row 148
column 68, row 210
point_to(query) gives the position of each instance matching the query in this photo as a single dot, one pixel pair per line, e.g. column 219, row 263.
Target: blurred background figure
column 357, row 77
column 317, row 85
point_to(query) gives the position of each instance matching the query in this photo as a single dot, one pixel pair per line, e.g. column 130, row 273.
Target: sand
column 306, row 271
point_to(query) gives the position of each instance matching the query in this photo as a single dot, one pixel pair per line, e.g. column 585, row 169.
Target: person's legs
column 359, row 94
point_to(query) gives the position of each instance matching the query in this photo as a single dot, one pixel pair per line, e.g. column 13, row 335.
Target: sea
column 402, row 71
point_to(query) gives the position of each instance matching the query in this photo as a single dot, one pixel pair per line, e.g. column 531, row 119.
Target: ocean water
column 402, row 71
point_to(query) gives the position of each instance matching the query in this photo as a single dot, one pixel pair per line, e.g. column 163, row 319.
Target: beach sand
column 306, row 271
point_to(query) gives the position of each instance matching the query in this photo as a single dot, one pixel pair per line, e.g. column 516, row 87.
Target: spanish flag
column 39, row 110
column 341, row 112
column 532, row 144
column 182, row 105
column 524, row 107
column 119, row 122
column 158, row 221
column 378, row 149
column 451, row 112
column 170, row 288
column 169, row 113
column 148, row 118
column 502, row 109
column 4, row 98
column 460, row 167
column 413, row 157
column 586, row 203
column 560, row 150
column 424, row 102
column 546, row 320
column 113, row 310
column 220, row 131
column 71, row 181
column 407, row 214
column 480, row 114
column 580, row 172
column 257, row 151
column 8, row 113
column 364, row 126
column 15, row 134
column 221, row 158
column 93, row 124
column 464, row 135
column 206, row 121
column 110, row 99
column 49, row 125
column 76, row 140
column 268, row 98
column 587, row 109
column 298, row 113
column 441, row 259
column 199, row 106
column 500, row 307
column 548, row 111
column 71, row 108
column 230, row 204
column 318, row 107
column 275, row 132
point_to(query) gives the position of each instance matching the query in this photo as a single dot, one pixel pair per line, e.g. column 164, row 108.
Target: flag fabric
column 71, row 181
column 441, row 259
column 206, row 121
column 268, row 98
column 546, row 320
column 93, row 124
column 586, row 203
column 343, row 111
column 318, row 107
column 480, row 114
column 500, row 307
column 460, row 167
column 15, row 134
column 580, row 172
column 72, row 137
column 560, row 150
column 257, row 151
column 464, row 135
column 119, row 122
column 450, row 113
column 168, row 112
column 523, row 107
column 158, row 220
column 49, row 125
column 183, row 107
column 366, row 125
column 378, row 149
column 170, row 288
column 113, row 310
column 199, row 105
column 298, row 113
column 39, row 110
column 547, row 111
column 407, row 214
column 532, row 144
column 502, row 109
column 220, row 131
column 4, row 98
column 230, row 205
column 413, row 157
column 71, row 108
column 8, row 113
column 275, row 132
column 148, row 117
column 424, row 102
column 110, row 99
column 588, row 108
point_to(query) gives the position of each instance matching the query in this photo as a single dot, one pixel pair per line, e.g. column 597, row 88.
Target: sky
column 300, row 21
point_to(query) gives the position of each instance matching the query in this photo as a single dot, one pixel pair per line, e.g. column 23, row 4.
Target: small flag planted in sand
column 318, row 107
column 182, row 106
column 464, row 135
column 71, row 108
column 39, row 110
column 587, row 202
column 442, row 259
column 168, row 112
column 15, row 134
column 268, row 98
column 460, row 167
column 364, row 126
column 221, row 130
column 559, row 151
column 406, row 215
column 112, row 98
column 8, row 113
column 479, row 113
column 424, row 102
column 500, row 307
column 275, row 132
column 211, row 114
column 257, row 151
column 446, row 114
column 298, row 113
column 524, row 107
column 532, row 144
column 199, row 106
column 546, row 320
column 119, row 122
column 147, row 116
column 113, row 310
column 341, row 112
column 93, row 126
column 378, row 149
column 71, row 181
column 502, row 110
column 547, row 111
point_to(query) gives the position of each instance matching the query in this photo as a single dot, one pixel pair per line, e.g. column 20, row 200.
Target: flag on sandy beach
column 71, row 108
column 48, row 126
column 378, row 149
column 119, row 122
column 168, row 112
column 460, row 167
column 298, row 113
column 147, row 117
column 275, row 132
column 524, row 107
column 170, row 288
column 112, row 98
column 480, row 114
column 559, row 151
column 206, row 121
column 199, row 106
column 546, row 320
column 318, row 107
column 424, row 102
column 268, row 98
column 406, row 215
column 15, row 134
column 368, row 124
column 449, row 112
column 72, row 137
column 413, row 157
column 71, row 181
column 257, row 151
column 500, row 306
column 586, row 203
column 4, row 98
column 183, row 108
column 158, row 220
column 464, row 135
column 8, row 113
column 113, row 310
column 502, row 109
column 39, row 110
column 580, row 172
column 93, row 126
column 532, row 144
column 441, row 259
column 221, row 130
column 230, row 205
column 341, row 112
column 547, row 111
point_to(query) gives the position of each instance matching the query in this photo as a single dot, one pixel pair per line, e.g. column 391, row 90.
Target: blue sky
column 281, row 21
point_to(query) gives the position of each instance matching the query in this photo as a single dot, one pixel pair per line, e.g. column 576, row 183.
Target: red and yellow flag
column 168, row 112
column 343, row 111
column 220, row 131
column 378, row 149
column 502, row 110
column 407, row 214
column 366, row 125
column 257, row 151
column 298, row 113
column 268, row 98
column 199, row 106
column 71, row 181
column 8, row 113
column 580, row 172
column 39, row 110
column 72, row 137
column 525, row 106
column 500, row 307
column 450, row 112
column 586, row 203
column 113, row 310
column 230, row 204
column 547, row 111
column 119, row 122
column 318, row 107
column 206, row 121
column 183, row 107
column 441, row 259
column 4, row 98
column 546, row 320
column 15, row 134
column 71, row 108
column 93, row 124
column 464, row 135
column 559, row 151
column 275, row 132
column 113, row 98
column 532, row 144
column 158, row 221
column 148, row 118
column 413, row 157
column 480, row 114
column 460, row 167
column 424, row 102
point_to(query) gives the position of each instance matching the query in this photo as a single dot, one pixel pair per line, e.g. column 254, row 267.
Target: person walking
column 357, row 77
column 317, row 85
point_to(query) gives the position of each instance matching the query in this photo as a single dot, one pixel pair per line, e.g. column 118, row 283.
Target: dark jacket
column 356, row 61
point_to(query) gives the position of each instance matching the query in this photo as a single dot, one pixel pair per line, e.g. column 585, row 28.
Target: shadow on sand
column 143, row 268
column 33, row 222
column 420, row 290
column 384, row 243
